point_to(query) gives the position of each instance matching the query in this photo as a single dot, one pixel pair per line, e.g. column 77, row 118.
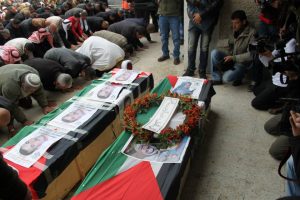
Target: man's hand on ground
column 28, row 122
column 11, row 129
column 47, row 109
column 52, row 104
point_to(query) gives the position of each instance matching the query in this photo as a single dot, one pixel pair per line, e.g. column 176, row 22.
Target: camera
column 225, row 66
column 286, row 62
column 261, row 45
column 292, row 103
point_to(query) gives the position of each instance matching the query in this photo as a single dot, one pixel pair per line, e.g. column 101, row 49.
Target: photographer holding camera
column 234, row 64
column 292, row 158
column 269, row 91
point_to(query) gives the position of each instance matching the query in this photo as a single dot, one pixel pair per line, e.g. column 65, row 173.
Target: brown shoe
column 163, row 58
column 176, row 61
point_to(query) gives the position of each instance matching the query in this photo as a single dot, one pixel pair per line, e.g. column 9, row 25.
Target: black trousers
column 268, row 95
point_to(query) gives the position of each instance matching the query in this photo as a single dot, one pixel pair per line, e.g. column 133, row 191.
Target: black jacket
column 128, row 30
column 48, row 70
column 27, row 28
column 72, row 61
column 106, row 15
column 14, row 32
column 139, row 22
column 11, row 187
column 94, row 23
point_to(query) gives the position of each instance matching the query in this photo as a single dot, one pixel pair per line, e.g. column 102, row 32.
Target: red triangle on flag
column 137, row 183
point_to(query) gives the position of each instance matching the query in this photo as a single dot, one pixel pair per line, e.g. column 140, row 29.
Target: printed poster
column 151, row 152
column 163, row 115
column 105, row 92
column 74, row 116
column 124, row 76
column 31, row 148
column 188, row 86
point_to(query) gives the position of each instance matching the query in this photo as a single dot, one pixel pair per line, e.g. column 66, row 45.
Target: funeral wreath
column 167, row 136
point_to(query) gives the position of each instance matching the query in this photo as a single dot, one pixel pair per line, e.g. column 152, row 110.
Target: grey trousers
column 281, row 145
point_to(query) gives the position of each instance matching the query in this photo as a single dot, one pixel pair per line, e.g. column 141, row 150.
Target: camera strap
column 287, row 156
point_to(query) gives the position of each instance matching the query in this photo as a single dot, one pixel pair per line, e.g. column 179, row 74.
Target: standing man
column 169, row 19
column 203, row 16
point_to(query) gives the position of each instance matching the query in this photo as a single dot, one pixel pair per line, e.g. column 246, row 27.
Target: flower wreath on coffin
column 168, row 136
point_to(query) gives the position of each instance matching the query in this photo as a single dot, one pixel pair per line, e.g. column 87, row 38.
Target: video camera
column 261, row 45
column 285, row 61
column 292, row 103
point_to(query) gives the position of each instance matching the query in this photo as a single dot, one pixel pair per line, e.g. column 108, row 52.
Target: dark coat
column 11, row 187
column 209, row 11
column 27, row 28
column 72, row 61
column 48, row 70
column 128, row 30
column 94, row 23
column 14, row 32
column 105, row 16
column 139, row 22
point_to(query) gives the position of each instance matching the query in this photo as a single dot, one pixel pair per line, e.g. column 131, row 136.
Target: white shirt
column 19, row 44
column 103, row 53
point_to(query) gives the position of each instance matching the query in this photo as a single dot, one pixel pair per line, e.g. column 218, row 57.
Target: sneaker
column 237, row 83
column 188, row 73
column 217, row 82
column 163, row 58
column 202, row 75
column 251, row 87
column 176, row 61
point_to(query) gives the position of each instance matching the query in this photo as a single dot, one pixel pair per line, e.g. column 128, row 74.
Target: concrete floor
column 234, row 162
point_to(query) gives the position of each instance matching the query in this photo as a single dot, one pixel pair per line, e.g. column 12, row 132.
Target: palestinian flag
column 116, row 176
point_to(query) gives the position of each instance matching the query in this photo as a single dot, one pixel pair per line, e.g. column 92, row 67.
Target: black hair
column 141, row 30
column 29, row 46
column 16, row 20
column 77, row 15
column 239, row 14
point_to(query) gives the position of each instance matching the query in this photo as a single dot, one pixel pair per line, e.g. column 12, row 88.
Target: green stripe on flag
column 163, row 87
column 108, row 164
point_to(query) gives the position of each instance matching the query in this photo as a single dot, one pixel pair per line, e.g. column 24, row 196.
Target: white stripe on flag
column 131, row 162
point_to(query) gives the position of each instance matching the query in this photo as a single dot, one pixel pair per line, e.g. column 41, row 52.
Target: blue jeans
column 194, row 35
column 237, row 73
column 292, row 188
column 167, row 23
